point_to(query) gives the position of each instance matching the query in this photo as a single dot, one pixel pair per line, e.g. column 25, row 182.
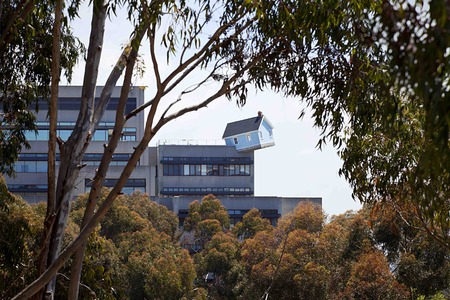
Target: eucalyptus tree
column 375, row 75
column 25, row 69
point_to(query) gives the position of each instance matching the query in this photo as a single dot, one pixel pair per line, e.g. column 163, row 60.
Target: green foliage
column 101, row 263
column 371, row 279
column 25, row 70
column 251, row 224
column 5, row 195
column 133, row 254
column 422, row 262
column 307, row 216
column 204, row 220
column 210, row 208
column 221, row 260
column 375, row 75
column 438, row 296
column 340, row 259
column 425, row 268
column 161, row 218
column 120, row 219
column 287, row 256
column 19, row 243
column 154, row 267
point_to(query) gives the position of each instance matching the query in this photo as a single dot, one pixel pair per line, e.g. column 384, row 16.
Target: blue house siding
column 250, row 134
column 266, row 135
column 245, row 142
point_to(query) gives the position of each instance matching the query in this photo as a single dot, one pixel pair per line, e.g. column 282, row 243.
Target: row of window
column 73, row 103
column 263, row 212
column 71, row 125
column 37, row 162
column 132, row 185
column 126, row 189
column 206, row 190
column 206, row 170
column 30, row 166
column 28, row 187
column 87, row 156
column 42, row 166
column 131, row 182
column 211, row 160
column 101, row 135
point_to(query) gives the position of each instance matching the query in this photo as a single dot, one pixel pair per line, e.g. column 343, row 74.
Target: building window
column 249, row 137
column 65, row 130
column 37, row 162
column 132, row 185
column 206, row 170
column 198, row 191
column 30, row 166
column 28, row 188
column 236, row 141
column 206, row 160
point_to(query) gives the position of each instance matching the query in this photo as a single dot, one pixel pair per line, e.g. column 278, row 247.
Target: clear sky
column 293, row 167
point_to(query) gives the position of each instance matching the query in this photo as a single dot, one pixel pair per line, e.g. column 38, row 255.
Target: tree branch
column 130, row 57
column 151, row 37
column 7, row 35
column 196, row 61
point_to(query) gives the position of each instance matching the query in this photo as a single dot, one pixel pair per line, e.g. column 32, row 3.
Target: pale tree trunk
column 53, row 117
column 128, row 59
column 71, row 152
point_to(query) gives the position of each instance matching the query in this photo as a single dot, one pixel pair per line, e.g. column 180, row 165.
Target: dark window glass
column 74, row 103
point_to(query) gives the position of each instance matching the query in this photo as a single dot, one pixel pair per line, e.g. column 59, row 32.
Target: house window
column 235, row 140
column 249, row 138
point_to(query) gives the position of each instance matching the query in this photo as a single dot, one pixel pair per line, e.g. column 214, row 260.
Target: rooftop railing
column 188, row 142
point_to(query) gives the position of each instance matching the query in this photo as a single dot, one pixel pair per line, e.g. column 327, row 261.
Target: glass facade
column 207, row 160
column 206, row 170
column 199, row 191
column 37, row 162
column 206, row 166
column 132, row 185
column 73, row 103
column 100, row 135
column 28, row 188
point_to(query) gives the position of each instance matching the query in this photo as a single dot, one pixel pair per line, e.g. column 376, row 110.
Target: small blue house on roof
column 249, row 134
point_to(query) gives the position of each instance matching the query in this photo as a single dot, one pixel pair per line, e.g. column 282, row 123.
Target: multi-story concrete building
column 173, row 173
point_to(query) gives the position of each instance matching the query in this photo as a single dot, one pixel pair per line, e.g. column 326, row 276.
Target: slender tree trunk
column 127, row 58
column 53, row 116
column 71, row 152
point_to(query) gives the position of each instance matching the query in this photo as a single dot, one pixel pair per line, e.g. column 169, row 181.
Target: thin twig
column 81, row 284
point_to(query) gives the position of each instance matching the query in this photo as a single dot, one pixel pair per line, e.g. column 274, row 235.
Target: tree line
column 140, row 252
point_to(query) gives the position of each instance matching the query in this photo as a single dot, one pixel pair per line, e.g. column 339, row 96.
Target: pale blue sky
column 293, row 167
